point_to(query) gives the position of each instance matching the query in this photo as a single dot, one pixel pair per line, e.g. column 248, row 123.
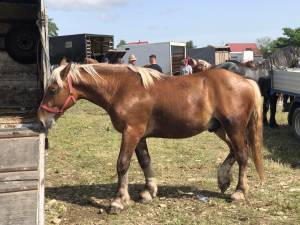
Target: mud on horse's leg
column 224, row 172
column 145, row 163
column 130, row 138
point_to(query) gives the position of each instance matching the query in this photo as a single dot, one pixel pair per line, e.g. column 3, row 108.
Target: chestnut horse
column 143, row 103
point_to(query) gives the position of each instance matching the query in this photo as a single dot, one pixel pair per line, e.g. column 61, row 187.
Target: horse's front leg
column 130, row 138
column 145, row 163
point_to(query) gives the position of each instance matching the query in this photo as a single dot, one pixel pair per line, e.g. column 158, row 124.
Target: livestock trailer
column 169, row 54
column 77, row 47
column 212, row 54
column 288, row 82
column 24, row 65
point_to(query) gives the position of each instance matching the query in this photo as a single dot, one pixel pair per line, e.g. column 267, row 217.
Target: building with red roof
column 244, row 51
column 138, row 43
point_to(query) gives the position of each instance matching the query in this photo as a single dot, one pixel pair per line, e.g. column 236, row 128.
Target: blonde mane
column 74, row 73
column 147, row 75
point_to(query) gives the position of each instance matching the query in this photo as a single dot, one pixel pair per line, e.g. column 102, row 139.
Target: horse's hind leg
column 224, row 172
column 145, row 163
column 238, row 140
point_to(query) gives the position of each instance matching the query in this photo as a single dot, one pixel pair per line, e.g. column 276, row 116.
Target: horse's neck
column 100, row 90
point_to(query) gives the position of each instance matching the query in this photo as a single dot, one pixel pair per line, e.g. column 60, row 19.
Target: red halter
column 65, row 105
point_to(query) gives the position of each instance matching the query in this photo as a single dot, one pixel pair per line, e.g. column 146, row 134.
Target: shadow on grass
column 282, row 145
column 82, row 194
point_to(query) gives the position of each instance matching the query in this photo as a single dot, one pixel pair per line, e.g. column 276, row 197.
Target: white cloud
column 67, row 5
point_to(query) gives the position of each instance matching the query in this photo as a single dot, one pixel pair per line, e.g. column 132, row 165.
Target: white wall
column 248, row 56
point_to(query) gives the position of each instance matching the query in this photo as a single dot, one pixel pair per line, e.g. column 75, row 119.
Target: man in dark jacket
column 153, row 63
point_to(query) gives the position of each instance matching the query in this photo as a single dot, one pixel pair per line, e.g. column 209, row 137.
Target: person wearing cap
column 153, row 63
column 185, row 69
column 132, row 60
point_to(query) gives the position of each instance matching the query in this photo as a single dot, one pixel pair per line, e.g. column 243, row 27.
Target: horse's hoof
column 238, row 196
column 274, row 125
column 224, row 180
column 224, row 186
column 115, row 207
column 223, row 189
column 145, row 196
column 266, row 123
column 114, row 210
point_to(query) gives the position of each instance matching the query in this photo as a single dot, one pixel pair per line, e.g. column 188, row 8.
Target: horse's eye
column 53, row 91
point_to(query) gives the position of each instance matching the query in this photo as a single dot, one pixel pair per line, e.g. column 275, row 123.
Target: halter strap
column 66, row 103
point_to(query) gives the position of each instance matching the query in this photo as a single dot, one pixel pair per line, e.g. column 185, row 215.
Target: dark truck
column 77, row 47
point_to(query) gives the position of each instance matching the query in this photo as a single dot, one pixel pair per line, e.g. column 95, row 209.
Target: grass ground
column 81, row 166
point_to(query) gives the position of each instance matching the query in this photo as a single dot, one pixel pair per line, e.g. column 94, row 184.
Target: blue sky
column 205, row 22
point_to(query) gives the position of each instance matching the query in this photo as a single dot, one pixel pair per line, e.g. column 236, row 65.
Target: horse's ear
column 64, row 73
column 63, row 61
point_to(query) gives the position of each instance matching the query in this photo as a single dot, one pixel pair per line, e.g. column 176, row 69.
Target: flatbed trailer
column 288, row 82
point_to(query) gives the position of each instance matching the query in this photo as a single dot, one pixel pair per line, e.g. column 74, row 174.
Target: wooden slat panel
column 19, row 176
column 41, row 196
column 19, row 85
column 18, row 208
column 9, row 66
column 14, row 186
column 20, row 153
column 21, row 132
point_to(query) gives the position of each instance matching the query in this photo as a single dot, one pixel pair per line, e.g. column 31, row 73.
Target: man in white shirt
column 185, row 69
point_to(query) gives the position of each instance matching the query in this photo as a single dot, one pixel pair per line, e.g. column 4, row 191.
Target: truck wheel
column 21, row 43
column 296, row 123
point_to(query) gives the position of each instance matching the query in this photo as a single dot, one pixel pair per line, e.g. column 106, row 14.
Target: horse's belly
column 173, row 128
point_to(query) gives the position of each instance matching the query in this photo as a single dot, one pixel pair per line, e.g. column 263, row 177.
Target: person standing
column 132, row 60
column 185, row 68
column 153, row 63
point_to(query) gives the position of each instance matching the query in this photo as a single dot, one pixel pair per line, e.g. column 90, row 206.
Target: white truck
column 169, row 54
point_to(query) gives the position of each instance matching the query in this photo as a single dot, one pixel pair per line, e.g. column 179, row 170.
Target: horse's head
column 199, row 65
column 59, row 96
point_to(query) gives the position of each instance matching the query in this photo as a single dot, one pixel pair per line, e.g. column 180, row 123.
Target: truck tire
column 296, row 123
column 21, row 43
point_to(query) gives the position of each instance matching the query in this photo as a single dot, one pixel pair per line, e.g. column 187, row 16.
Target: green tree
column 190, row 44
column 52, row 28
column 122, row 42
column 264, row 44
column 291, row 37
